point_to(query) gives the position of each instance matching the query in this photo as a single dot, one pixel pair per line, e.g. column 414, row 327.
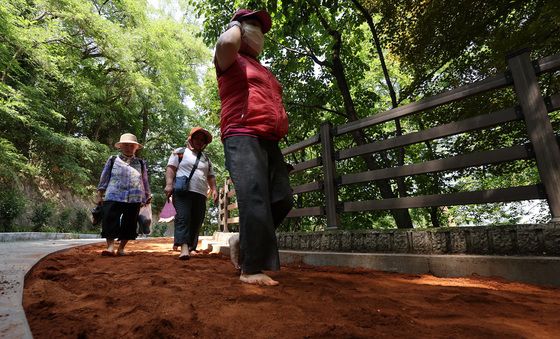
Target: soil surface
column 149, row 293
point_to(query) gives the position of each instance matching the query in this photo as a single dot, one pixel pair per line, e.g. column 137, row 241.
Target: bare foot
column 120, row 250
column 184, row 252
column 258, row 279
column 110, row 248
column 175, row 248
column 234, row 251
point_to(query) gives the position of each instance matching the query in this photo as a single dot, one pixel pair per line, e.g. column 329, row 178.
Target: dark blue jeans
column 191, row 209
column 264, row 198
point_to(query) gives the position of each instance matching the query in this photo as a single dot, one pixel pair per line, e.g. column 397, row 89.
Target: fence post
column 329, row 173
column 225, row 205
column 539, row 127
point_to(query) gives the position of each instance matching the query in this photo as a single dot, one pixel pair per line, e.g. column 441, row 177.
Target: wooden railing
column 532, row 109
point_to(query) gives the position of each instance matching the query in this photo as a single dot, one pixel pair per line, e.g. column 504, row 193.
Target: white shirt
column 204, row 169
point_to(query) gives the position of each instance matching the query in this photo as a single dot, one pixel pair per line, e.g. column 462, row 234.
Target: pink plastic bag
column 167, row 212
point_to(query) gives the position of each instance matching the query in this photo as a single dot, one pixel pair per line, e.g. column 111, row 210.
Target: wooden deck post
column 224, row 204
column 329, row 174
column 539, row 127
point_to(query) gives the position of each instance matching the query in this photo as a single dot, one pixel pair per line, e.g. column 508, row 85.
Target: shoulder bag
column 182, row 182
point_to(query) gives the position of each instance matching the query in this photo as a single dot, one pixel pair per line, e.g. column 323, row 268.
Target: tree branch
column 318, row 107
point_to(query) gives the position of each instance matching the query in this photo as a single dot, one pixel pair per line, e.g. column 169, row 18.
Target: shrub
column 82, row 222
column 12, row 205
column 158, row 229
column 48, row 229
column 42, row 215
column 63, row 224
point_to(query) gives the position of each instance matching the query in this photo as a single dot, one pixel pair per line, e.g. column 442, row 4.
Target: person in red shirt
column 252, row 122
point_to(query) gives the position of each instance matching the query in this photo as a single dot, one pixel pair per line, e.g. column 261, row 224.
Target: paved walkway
column 16, row 259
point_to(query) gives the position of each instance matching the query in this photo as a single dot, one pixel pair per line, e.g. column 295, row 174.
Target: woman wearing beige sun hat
column 123, row 188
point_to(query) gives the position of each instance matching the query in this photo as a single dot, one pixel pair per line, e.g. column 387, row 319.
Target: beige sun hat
column 128, row 138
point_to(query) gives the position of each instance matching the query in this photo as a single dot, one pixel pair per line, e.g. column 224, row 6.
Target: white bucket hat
column 128, row 138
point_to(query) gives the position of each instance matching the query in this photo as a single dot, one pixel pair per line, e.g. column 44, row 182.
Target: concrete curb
column 17, row 258
column 540, row 270
column 534, row 270
column 26, row 236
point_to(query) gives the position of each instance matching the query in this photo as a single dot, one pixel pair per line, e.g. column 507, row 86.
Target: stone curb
column 26, row 236
column 17, row 258
column 533, row 270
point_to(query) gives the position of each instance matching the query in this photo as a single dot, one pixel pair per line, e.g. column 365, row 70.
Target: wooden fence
column 532, row 109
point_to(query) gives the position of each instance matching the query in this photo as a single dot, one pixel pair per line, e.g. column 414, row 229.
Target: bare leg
column 234, row 250
column 258, row 279
column 184, row 252
column 122, row 244
column 110, row 251
column 110, row 245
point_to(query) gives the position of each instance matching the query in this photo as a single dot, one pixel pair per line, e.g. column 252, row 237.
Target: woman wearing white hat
column 123, row 188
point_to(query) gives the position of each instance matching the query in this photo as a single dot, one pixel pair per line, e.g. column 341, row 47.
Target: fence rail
column 532, row 110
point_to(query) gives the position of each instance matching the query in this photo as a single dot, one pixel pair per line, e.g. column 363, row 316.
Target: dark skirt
column 119, row 220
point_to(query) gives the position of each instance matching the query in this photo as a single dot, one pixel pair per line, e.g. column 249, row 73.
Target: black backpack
column 142, row 164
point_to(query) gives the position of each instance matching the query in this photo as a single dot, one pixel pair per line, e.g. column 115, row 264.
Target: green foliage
column 47, row 229
column 63, row 220
column 74, row 75
column 324, row 55
column 439, row 47
column 41, row 217
column 158, row 229
column 82, row 222
column 72, row 220
column 12, row 205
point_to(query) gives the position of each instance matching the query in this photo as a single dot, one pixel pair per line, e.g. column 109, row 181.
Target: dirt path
column 150, row 294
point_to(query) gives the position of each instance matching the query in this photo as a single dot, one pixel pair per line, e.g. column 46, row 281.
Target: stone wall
column 537, row 239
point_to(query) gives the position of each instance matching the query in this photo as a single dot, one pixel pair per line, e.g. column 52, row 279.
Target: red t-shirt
column 251, row 101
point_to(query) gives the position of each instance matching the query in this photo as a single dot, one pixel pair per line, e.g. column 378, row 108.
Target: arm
column 103, row 182
column 213, row 189
column 146, row 183
column 100, row 194
column 228, row 45
column 170, row 173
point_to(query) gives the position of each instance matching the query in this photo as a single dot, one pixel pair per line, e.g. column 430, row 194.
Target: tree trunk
column 145, row 124
column 401, row 216
column 435, row 189
column 394, row 103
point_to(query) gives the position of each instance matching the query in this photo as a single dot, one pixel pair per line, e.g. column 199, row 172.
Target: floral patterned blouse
column 126, row 182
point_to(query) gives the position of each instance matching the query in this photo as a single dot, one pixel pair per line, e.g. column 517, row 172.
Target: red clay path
column 78, row 293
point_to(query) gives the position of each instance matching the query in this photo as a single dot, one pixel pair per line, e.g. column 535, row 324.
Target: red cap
column 203, row 131
column 262, row 16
